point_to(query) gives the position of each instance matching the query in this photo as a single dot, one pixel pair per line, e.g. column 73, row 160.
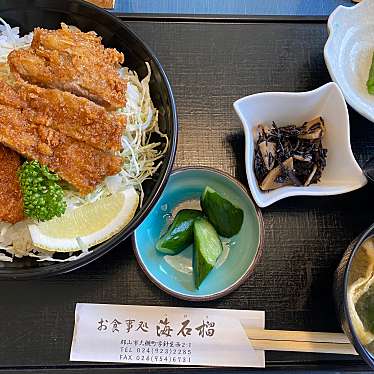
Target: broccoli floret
column 43, row 197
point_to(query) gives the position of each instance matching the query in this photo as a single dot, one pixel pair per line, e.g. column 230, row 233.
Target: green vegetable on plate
column 207, row 249
column 370, row 81
column 226, row 218
column 43, row 197
column 180, row 233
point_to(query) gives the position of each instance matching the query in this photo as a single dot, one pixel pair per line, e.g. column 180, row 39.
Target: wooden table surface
column 210, row 65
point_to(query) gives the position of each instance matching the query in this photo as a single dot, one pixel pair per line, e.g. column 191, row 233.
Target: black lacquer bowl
column 28, row 14
column 340, row 294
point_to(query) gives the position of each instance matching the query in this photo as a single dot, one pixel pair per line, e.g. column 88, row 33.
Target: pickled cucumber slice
column 180, row 233
column 226, row 218
column 207, row 249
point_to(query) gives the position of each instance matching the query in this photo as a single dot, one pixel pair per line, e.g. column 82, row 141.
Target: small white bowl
column 348, row 53
column 342, row 173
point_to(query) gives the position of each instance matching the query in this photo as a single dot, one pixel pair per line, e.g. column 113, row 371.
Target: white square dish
column 342, row 173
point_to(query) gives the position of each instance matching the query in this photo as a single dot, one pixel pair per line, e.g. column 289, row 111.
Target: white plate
column 348, row 53
column 342, row 173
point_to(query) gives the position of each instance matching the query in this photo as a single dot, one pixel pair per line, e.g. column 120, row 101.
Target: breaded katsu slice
column 72, row 61
column 11, row 201
column 74, row 116
column 76, row 162
column 70, row 39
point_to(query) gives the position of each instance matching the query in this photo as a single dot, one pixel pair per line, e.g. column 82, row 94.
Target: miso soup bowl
column 342, row 173
column 341, row 294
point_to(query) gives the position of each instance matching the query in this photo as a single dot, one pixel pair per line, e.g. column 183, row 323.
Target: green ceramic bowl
column 173, row 274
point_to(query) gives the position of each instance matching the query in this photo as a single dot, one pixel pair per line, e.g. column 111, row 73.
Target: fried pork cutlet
column 72, row 61
column 11, row 201
column 76, row 162
column 77, row 43
column 74, row 116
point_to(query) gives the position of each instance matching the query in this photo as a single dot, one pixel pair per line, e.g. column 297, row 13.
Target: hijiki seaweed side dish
column 79, row 135
column 290, row 155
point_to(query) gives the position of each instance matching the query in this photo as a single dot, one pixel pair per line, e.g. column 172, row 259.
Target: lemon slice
column 88, row 225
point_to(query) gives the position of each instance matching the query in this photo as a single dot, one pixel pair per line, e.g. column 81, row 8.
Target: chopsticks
column 300, row 341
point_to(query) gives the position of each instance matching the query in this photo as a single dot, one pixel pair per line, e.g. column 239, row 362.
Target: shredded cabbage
column 142, row 157
column 10, row 40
